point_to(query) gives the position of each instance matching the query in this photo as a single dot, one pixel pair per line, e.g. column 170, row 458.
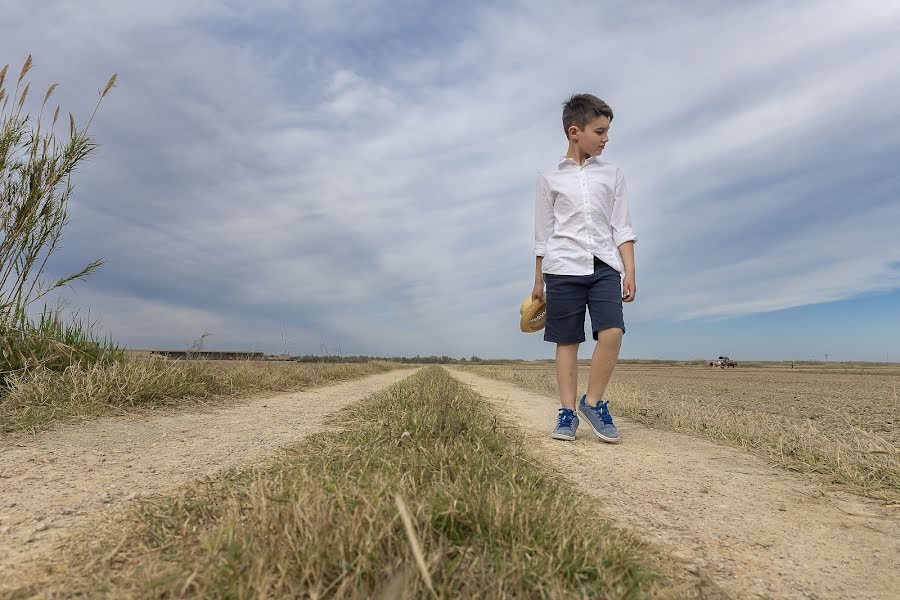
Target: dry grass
column 844, row 452
column 423, row 495
column 40, row 397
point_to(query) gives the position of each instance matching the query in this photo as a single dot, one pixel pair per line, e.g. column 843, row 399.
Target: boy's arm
column 624, row 238
column 620, row 219
column 537, row 291
column 629, row 287
column 543, row 226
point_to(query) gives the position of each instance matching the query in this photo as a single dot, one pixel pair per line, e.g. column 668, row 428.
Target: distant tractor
column 723, row 362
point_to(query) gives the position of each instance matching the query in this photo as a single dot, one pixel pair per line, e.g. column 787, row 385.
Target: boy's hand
column 538, row 292
column 629, row 288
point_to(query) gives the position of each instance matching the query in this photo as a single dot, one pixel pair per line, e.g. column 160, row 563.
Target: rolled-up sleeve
column 620, row 220
column 543, row 216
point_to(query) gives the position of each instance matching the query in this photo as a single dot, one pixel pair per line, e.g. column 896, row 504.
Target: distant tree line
column 438, row 360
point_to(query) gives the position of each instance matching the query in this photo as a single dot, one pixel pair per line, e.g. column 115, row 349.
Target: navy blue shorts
column 569, row 295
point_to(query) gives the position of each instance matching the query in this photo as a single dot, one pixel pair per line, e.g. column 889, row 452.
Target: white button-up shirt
column 581, row 211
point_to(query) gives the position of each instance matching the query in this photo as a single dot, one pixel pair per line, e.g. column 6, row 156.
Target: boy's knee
column 611, row 334
column 568, row 346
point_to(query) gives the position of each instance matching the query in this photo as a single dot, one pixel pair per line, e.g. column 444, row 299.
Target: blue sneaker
column 566, row 425
column 600, row 420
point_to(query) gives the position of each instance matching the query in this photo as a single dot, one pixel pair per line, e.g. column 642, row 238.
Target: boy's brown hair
column 581, row 109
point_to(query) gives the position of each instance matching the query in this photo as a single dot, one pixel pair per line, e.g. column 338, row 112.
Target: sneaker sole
column 608, row 440
column 560, row 436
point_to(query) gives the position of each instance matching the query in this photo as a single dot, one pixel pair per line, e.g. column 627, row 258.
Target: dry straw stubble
column 38, row 398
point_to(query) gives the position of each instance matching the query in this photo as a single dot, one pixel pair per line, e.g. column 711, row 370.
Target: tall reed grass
column 52, row 342
column 36, row 168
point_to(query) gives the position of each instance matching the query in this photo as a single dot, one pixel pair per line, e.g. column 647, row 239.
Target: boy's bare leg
column 567, row 374
column 603, row 361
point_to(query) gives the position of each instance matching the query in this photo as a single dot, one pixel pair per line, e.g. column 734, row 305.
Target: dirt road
column 69, row 476
column 757, row 531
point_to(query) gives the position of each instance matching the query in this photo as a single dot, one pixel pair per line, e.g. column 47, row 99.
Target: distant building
column 203, row 354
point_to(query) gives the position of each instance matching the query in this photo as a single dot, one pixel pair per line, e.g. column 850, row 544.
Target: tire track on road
column 71, row 475
column 756, row 530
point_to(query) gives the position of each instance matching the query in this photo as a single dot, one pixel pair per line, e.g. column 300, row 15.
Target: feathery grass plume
column 25, row 68
column 109, row 85
column 24, row 96
column 35, row 187
column 49, row 92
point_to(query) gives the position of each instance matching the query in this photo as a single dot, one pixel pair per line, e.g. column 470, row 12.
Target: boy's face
column 592, row 139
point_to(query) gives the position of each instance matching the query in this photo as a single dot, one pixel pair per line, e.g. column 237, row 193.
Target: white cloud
column 260, row 162
column 354, row 97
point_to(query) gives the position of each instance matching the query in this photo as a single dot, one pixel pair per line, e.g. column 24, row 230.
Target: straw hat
column 534, row 315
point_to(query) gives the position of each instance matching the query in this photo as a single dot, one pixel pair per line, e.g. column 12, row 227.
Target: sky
column 362, row 174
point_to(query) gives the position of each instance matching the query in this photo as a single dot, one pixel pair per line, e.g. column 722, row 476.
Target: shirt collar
column 565, row 159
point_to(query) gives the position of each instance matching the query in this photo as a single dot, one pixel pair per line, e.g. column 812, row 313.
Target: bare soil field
column 841, row 423
column 830, row 396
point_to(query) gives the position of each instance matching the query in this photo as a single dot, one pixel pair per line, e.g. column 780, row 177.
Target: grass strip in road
column 37, row 399
column 850, row 455
column 418, row 492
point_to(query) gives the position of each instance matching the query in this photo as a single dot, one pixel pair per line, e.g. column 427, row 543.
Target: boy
column 583, row 245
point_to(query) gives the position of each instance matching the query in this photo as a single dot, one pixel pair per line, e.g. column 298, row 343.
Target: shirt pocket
column 602, row 197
